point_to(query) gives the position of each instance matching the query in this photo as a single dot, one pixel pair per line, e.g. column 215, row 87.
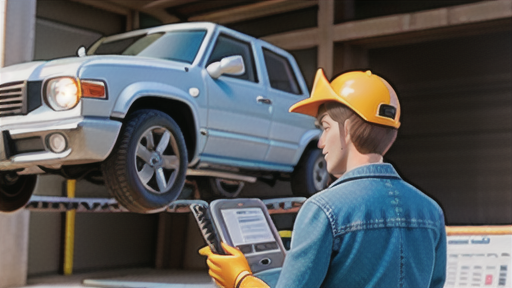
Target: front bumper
column 89, row 140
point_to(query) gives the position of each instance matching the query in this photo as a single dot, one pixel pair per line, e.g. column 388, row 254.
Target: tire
column 213, row 187
column 15, row 190
column 147, row 168
column 310, row 175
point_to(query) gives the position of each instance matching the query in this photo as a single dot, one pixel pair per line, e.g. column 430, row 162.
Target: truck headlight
column 62, row 93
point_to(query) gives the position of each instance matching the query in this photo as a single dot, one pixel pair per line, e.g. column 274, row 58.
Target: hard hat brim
column 322, row 92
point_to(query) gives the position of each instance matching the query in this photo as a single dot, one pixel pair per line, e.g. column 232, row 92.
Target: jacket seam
column 371, row 171
column 386, row 223
column 326, row 208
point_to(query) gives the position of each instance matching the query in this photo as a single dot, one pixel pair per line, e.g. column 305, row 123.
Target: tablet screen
column 247, row 226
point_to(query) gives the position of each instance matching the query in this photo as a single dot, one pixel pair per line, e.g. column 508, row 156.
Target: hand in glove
column 231, row 270
column 226, row 270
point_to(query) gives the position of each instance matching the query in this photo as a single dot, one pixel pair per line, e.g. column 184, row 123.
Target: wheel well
column 312, row 144
column 179, row 112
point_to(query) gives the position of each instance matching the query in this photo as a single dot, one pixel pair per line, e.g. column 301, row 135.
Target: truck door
column 239, row 114
column 286, row 87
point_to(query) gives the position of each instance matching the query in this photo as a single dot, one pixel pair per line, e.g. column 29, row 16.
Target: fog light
column 57, row 142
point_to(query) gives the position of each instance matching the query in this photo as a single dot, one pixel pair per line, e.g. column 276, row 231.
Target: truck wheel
column 147, row 168
column 219, row 187
column 15, row 190
column 310, row 174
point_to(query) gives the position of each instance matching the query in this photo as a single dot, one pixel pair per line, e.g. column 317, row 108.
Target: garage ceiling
column 219, row 11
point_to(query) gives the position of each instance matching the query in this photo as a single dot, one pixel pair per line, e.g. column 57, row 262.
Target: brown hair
column 367, row 137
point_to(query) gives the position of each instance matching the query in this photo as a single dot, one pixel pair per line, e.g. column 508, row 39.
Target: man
column 369, row 228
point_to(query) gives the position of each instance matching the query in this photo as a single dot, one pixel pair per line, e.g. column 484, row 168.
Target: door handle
column 261, row 99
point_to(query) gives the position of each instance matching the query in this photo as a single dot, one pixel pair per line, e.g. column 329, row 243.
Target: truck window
column 280, row 73
column 227, row 46
column 179, row 46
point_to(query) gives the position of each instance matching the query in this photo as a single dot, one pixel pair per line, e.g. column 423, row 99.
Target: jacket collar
column 380, row 170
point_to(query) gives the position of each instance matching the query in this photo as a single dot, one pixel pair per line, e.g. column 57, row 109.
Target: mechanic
column 369, row 228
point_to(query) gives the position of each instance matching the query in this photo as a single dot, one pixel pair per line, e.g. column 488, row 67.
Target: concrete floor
column 133, row 278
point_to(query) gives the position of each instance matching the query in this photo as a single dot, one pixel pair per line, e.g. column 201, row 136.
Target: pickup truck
column 142, row 110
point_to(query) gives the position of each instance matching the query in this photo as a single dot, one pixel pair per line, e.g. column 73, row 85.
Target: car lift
column 110, row 205
column 63, row 204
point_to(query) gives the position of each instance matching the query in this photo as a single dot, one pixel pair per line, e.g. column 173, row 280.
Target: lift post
column 69, row 238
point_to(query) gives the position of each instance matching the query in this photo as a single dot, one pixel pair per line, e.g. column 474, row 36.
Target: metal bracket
column 110, row 205
column 284, row 205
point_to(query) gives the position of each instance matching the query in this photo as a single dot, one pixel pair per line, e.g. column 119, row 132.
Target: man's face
column 333, row 146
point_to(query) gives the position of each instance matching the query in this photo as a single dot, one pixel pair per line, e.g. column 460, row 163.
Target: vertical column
column 132, row 20
column 3, row 13
column 17, row 31
column 172, row 240
column 350, row 57
column 325, row 35
column 13, row 248
column 136, row 20
column 20, row 31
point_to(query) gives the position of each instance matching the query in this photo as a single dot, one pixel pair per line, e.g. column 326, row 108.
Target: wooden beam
column 129, row 4
column 424, row 20
column 129, row 22
column 161, row 15
column 252, row 11
column 298, row 39
column 444, row 18
column 426, row 35
column 325, row 36
column 107, row 6
column 167, row 3
column 135, row 20
column 138, row 5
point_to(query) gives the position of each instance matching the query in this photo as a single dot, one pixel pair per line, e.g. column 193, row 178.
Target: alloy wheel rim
column 157, row 159
column 10, row 185
column 229, row 188
column 320, row 174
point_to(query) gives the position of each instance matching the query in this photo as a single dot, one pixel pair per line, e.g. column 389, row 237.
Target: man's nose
column 321, row 144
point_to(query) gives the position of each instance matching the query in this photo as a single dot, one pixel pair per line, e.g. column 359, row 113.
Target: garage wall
column 62, row 26
column 55, row 40
column 308, row 64
column 455, row 142
column 102, row 240
column 82, row 16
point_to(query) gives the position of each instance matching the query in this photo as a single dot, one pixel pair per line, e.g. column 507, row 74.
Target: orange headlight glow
column 93, row 89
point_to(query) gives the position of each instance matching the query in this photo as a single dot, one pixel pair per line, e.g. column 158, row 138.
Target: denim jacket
column 368, row 229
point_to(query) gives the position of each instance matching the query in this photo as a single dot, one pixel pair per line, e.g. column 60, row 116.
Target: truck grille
column 12, row 98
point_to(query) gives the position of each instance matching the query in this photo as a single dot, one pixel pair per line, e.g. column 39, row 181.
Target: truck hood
column 19, row 72
column 39, row 70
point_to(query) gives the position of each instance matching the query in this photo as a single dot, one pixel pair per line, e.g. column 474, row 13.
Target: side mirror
column 232, row 65
column 81, row 52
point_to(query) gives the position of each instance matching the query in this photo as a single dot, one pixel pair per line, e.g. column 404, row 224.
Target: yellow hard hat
column 367, row 94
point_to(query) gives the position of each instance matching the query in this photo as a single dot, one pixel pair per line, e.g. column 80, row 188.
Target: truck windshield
column 179, row 46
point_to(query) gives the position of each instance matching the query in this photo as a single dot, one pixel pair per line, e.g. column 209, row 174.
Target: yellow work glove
column 227, row 270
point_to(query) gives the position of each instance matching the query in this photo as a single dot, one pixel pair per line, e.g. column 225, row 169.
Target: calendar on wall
column 479, row 261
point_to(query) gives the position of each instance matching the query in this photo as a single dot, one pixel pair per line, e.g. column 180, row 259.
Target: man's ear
column 346, row 130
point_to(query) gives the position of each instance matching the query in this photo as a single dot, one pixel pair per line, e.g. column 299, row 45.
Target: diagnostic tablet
column 246, row 224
